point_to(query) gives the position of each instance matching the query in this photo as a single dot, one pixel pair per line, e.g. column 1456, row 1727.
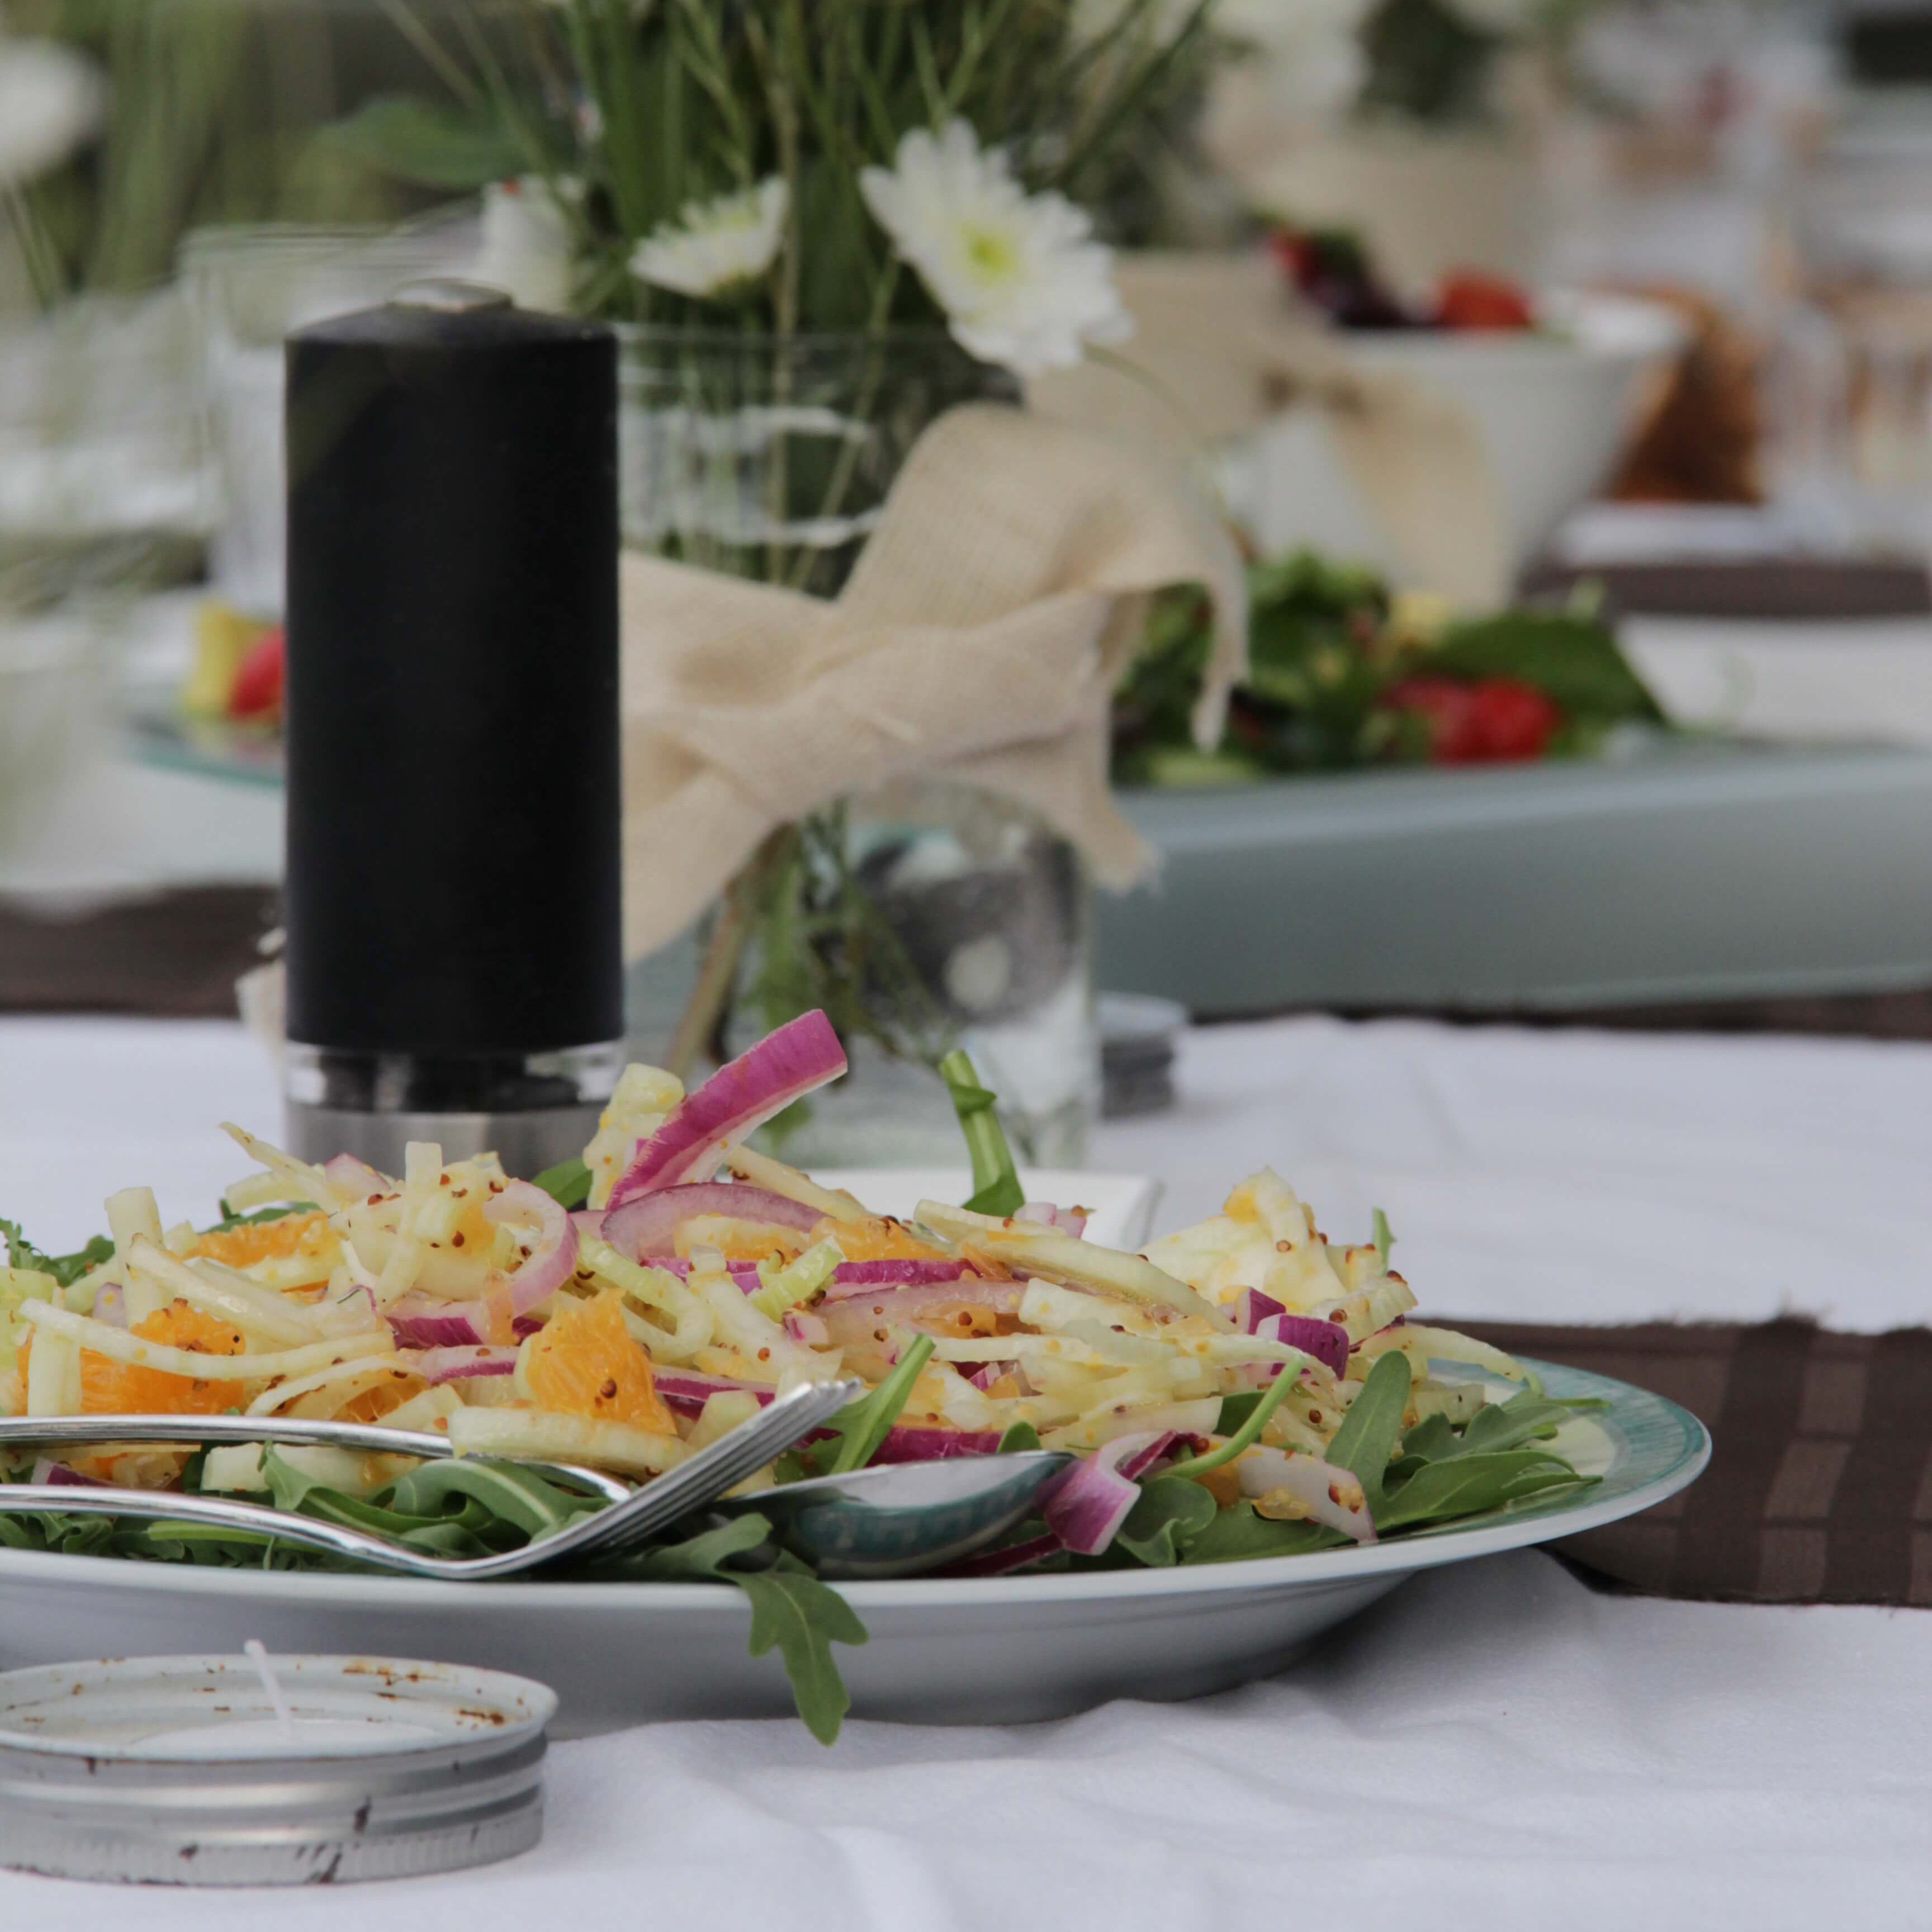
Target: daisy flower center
column 991, row 252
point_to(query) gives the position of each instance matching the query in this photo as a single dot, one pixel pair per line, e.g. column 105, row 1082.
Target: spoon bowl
column 902, row 1518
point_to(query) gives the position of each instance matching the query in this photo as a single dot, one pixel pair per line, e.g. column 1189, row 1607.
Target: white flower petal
column 717, row 244
column 51, row 100
column 1019, row 277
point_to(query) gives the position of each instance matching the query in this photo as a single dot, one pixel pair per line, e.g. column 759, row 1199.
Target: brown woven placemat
column 1820, row 1488
column 175, row 956
column 1776, row 590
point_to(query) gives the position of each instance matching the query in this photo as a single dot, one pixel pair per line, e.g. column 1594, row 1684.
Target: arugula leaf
column 804, row 1617
column 996, row 1180
column 1571, row 659
column 702, row 1559
column 279, row 1211
column 1508, row 1425
column 1172, row 1511
column 1366, row 1439
column 1238, row 1535
column 1235, row 1410
column 1017, row 1438
column 790, row 1608
column 517, row 1496
column 1466, row 1485
column 1383, row 1236
column 65, row 1269
column 1431, row 1438
column 860, row 1426
column 568, row 1184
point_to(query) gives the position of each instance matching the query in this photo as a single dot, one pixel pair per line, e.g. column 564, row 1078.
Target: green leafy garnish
column 281, row 1211
column 65, row 1269
column 1466, row 1485
column 1019, row 1438
column 996, row 1180
column 1171, row 1512
column 860, row 1426
column 1238, row 1535
column 1249, row 1431
column 804, row 1617
column 1366, row 1439
column 1383, row 1236
column 791, row 1608
column 568, row 1184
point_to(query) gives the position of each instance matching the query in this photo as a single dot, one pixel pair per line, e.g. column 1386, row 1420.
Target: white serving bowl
column 1552, row 410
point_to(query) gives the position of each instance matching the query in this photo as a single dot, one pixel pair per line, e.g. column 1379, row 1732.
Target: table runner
column 173, row 954
column 1820, row 1488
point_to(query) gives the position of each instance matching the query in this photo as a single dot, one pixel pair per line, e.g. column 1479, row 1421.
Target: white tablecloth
column 1496, row 1746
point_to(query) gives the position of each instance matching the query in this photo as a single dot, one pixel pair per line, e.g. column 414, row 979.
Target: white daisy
column 1021, row 280
column 716, row 245
column 50, row 101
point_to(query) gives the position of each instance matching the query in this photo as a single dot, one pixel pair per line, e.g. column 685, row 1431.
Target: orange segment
column 882, row 1239
column 583, row 1361
column 109, row 1387
column 269, row 1240
column 738, row 1240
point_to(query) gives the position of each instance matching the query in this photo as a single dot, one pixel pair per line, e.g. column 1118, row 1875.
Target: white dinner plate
column 989, row 1650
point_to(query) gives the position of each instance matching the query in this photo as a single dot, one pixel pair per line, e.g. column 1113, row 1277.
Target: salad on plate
column 1246, row 1387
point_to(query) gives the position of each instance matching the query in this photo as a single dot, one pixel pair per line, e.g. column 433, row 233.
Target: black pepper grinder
column 455, row 969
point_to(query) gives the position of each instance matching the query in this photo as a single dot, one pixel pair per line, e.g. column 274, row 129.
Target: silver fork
column 611, row 1531
column 50, row 1431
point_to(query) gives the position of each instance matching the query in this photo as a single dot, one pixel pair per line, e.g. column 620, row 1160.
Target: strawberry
column 1468, row 300
column 257, row 691
column 1494, row 720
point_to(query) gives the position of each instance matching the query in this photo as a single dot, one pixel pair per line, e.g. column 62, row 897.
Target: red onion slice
column 356, row 1178
column 63, row 1475
column 850, row 1278
column 458, row 1364
column 422, row 1321
column 785, row 1065
column 646, row 1227
column 1253, row 1308
column 913, row 1444
column 803, row 1326
column 1086, row 1507
column 552, row 1261
column 1327, row 1343
column 110, row 1306
column 686, row 1391
column 1002, row 1562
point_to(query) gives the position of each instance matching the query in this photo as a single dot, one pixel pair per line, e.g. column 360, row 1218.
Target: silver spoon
column 900, row 1518
column 701, row 1479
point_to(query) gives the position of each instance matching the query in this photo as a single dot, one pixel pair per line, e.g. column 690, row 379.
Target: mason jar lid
column 181, row 1770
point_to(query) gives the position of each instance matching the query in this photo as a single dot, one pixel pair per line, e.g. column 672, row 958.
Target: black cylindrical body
column 452, row 904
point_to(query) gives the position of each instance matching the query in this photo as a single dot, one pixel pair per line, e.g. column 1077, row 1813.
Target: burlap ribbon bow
column 1218, row 348
column 980, row 636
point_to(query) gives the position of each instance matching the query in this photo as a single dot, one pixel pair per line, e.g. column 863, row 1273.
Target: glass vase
column 923, row 915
